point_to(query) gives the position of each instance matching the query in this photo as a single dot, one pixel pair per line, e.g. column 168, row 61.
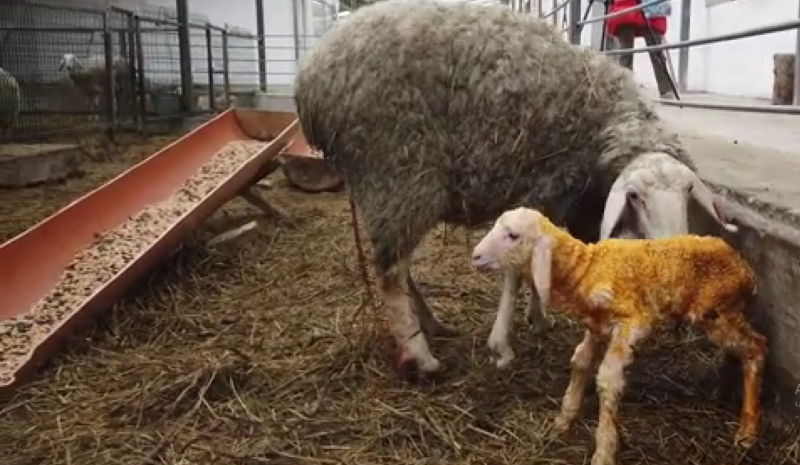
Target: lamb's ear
column 615, row 206
column 541, row 264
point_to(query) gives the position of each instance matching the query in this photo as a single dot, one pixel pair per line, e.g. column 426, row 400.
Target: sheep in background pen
column 90, row 77
column 454, row 112
column 623, row 290
column 10, row 101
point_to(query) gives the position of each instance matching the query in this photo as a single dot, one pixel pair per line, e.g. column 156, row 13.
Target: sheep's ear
column 541, row 264
column 615, row 206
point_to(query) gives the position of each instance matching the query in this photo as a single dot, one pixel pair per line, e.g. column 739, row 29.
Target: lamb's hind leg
column 430, row 324
column 537, row 317
column 730, row 330
column 582, row 360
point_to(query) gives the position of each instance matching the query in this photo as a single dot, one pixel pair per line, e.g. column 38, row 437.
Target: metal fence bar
column 621, row 12
column 556, row 8
column 683, row 54
column 756, row 31
column 796, row 96
column 262, row 46
column 774, row 109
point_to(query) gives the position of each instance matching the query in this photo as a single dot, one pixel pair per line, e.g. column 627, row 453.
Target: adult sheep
column 450, row 111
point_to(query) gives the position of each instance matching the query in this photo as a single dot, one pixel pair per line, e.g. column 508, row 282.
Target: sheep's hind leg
column 430, row 324
column 610, row 384
column 730, row 330
column 582, row 360
column 404, row 323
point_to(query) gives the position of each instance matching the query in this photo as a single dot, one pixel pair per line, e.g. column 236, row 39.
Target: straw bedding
column 257, row 353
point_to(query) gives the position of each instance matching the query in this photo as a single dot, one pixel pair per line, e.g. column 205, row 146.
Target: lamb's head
column 650, row 199
column 70, row 62
column 510, row 242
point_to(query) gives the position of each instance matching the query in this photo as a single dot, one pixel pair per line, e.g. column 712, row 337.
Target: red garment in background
column 635, row 18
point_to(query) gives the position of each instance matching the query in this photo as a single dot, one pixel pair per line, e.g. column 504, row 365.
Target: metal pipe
column 756, row 31
column 296, row 19
column 554, row 11
column 142, row 87
column 683, row 54
column 261, row 30
column 796, row 97
column 111, row 78
column 185, row 51
column 774, row 109
column 574, row 29
column 556, row 8
column 621, row 12
column 210, row 63
column 226, row 72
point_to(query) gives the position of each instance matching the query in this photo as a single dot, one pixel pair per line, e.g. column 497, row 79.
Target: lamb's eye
column 513, row 236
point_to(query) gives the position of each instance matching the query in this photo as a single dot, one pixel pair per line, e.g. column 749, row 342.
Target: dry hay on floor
column 251, row 355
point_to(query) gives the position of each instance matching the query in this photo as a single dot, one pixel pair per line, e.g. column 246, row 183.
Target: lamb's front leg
column 537, row 317
column 582, row 360
column 610, row 385
column 499, row 345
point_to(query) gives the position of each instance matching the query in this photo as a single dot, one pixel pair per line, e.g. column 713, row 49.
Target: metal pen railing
column 575, row 27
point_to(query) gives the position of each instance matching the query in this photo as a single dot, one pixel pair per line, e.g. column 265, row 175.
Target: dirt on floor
column 267, row 351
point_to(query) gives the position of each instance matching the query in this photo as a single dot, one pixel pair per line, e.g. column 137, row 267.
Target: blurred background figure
column 649, row 23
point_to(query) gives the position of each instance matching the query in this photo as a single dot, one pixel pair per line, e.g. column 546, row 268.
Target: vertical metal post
column 540, row 7
column 131, row 59
column 553, row 11
column 574, row 17
column 296, row 16
column 210, row 63
column 142, row 120
column 226, row 74
column 683, row 54
column 261, row 31
column 797, row 68
column 185, row 52
column 111, row 81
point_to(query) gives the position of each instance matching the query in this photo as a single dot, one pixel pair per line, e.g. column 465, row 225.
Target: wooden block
column 783, row 82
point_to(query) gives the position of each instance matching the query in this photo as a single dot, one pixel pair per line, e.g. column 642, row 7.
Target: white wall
column 737, row 68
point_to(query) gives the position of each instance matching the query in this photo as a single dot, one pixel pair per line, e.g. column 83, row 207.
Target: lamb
column 451, row 111
column 10, row 101
column 90, row 76
column 699, row 280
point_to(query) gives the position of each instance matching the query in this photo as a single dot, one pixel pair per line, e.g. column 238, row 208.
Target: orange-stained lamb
column 622, row 289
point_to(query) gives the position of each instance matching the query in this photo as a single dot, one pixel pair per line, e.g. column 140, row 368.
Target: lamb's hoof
column 539, row 324
column 745, row 439
column 561, row 425
column 602, row 458
column 500, row 354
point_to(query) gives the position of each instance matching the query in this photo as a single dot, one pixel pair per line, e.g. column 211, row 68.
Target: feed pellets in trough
column 108, row 255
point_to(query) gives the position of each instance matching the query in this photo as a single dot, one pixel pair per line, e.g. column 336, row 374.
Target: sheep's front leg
column 610, row 385
column 536, row 316
column 499, row 346
column 404, row 323
column 582, row 360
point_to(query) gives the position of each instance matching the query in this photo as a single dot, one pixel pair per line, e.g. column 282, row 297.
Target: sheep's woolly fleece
column 455, row 112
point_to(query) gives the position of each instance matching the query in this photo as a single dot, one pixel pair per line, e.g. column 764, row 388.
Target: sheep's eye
column 513, row 236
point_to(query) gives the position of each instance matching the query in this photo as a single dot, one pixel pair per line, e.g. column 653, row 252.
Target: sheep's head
column 70, row 62
column 510, row 242
column 650, row 200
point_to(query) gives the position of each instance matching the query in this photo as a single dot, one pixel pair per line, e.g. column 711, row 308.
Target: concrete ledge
column 27, row 164
column 769, row 239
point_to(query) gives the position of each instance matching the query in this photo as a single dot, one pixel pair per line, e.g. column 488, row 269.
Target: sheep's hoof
column 411, row 368
column 602, row 457
column 540, row 324
column 745, row 438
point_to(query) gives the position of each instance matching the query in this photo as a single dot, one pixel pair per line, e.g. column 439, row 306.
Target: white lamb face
column 69, row 62
column 508, row 240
